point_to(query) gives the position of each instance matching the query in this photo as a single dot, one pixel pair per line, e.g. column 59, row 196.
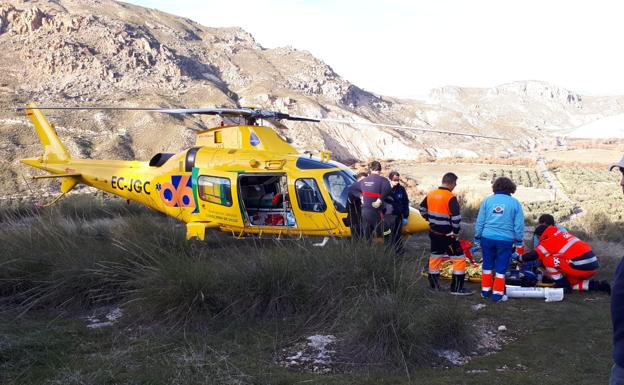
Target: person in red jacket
column 570, row 262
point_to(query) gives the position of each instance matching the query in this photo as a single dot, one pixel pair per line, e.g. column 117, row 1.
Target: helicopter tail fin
column 53, row 149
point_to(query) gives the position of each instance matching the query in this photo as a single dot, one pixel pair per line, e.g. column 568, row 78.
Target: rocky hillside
column 101, row 52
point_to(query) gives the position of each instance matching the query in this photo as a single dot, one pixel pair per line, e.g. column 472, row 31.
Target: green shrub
column 404, row 329
column 597, row 225
column 375, row 302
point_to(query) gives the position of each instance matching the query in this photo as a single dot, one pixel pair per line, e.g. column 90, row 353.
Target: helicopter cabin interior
column 265, row 200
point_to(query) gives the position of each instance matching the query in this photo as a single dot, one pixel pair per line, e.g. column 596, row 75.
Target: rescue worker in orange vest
column 441, row 209
column 569, row 261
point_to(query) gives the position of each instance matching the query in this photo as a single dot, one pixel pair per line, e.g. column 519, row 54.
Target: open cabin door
column 266, row 203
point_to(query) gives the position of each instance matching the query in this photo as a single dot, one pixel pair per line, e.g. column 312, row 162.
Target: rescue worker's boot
column 563, row 284
column 603, row 286
column 498, row 289
column 487, row 280
column 434, row 282
column 457, row 285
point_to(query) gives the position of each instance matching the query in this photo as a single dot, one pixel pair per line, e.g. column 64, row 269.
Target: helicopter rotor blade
column 221, row 111
column 351, row 122
column 277, row 124
column 302, row 119
column 252, row 114
column 105, row 108
column 198, row 111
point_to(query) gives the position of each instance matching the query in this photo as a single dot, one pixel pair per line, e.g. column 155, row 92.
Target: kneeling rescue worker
column 441, row 209
column 569, row 261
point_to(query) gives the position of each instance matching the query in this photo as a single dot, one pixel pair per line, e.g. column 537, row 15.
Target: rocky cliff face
column 100, row 52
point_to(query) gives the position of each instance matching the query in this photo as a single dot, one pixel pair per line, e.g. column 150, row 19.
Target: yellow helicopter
column 244, row 179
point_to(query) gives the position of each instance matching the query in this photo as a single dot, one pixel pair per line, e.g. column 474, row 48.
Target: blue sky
column 405, row 48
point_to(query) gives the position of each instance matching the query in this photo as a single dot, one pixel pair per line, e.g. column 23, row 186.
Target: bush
column 404, row 329
column 374, row 302
column 597, row 225
column 469, row 206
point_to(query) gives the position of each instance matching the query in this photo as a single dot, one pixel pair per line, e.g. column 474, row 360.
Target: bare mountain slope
column 101, row 52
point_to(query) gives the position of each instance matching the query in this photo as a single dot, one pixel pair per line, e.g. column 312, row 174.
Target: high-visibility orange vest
column 439, row 213
column 558, row 246
column 438, row 202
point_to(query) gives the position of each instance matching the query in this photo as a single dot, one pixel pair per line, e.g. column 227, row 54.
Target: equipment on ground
column 473, row 269
column 227, row 181
column 523, row 278
column 550, row 294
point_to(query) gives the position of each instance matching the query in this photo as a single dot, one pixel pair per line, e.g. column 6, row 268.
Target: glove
column 519, row 248
column 476, row 246
column 404, row 221
column 376, row 204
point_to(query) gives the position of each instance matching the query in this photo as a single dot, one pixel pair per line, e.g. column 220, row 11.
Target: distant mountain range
column 102, row 52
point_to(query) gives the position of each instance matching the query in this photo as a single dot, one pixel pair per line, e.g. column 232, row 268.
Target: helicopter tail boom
column 53, row 150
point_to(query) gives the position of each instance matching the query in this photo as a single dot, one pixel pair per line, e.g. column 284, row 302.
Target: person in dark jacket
column 617, row 309
column 374, row 190
column 354, row 207
column 396, row 213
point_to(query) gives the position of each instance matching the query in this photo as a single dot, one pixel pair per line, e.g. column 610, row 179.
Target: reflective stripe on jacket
column 555, row 243
column 371, row 188
column 441, row 208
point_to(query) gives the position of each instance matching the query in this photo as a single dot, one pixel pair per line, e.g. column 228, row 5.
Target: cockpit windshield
column 338, row 183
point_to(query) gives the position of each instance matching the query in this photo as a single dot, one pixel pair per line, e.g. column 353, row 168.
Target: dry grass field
column 589, row 155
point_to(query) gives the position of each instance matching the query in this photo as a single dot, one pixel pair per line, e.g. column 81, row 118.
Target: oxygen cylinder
column 524, row 292
column 551, row 294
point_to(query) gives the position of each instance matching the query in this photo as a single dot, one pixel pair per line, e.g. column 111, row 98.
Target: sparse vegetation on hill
column 109, row 53
column 595, row 190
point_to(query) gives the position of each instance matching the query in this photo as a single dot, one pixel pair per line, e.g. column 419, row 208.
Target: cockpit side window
column 338, row 183
column 309, row 195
